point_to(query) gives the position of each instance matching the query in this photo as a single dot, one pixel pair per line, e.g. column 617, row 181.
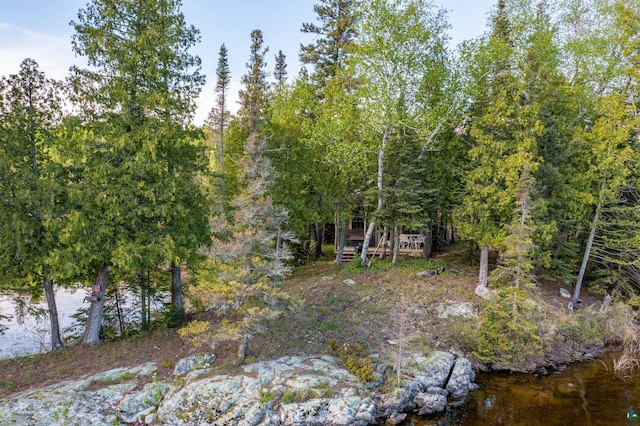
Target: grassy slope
column 386, row 305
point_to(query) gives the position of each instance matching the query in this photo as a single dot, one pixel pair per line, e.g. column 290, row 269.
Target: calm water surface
column 28, row 334
column 585, row 394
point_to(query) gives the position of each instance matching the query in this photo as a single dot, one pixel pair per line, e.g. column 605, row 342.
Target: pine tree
column 30, row 108
column 280, row 71
column 334, row 39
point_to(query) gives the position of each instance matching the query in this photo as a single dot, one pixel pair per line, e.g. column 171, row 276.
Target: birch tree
column 399, row 42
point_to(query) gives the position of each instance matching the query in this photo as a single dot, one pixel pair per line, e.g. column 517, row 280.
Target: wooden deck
column 349, row 251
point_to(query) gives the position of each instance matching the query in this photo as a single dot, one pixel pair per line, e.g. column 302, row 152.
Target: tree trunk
column 56, row 341
column 587, row 250
column 385, row 232
column 91, row 334
column 396, row 244
column 319, row 228
column 176, row 289
column 372, row 225
column 484, row 268
column 243, row 348
column 342, row 239
column 143, row 300
column 367, row 241
column 428, row 243
column 119, row 312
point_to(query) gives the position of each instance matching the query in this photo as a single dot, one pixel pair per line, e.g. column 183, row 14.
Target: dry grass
column 628, row 364
column 163, row 347
column 385, row 306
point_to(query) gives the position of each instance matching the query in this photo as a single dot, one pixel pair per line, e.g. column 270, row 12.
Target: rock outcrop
column 312, row 390
column 431, row 381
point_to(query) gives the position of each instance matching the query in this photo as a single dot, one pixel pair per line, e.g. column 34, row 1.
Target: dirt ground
column 379, row 309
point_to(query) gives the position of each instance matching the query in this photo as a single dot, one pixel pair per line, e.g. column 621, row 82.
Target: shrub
column 353, row 358
column 507, row 336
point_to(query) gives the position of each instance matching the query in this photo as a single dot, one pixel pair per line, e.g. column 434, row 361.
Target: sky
column 39, row 29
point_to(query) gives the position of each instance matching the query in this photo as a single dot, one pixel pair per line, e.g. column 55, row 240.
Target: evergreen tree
column 30, row 108
column 334, row 39
column 280, row 71
column 254, row 96
column 135, row 147
column 502, row 143
column 219, row 118
column 252, row 249
column 547, row 89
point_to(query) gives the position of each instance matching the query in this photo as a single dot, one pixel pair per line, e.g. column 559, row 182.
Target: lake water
column 585, row 394
column 26, row 334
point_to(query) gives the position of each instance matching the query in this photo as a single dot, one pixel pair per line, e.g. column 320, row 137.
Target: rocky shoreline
column 304, row 390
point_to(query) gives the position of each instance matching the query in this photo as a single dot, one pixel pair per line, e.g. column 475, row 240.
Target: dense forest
column 524, row 140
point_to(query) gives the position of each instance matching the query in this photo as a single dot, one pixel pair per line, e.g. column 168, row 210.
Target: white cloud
column 54, row 57
column 52, row 53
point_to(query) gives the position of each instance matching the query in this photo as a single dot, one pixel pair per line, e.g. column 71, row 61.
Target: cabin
column 410, row 242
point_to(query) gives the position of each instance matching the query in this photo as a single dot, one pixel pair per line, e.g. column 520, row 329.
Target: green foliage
column 131, row 159
column 508, row 335
column 288, row 397
column 123, row 377
column 353, row 358
column 7, row 384
column 333, row 39
column 253, row 97
column 267, row 396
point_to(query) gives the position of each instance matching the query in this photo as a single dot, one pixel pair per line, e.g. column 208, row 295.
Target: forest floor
column 379, row 309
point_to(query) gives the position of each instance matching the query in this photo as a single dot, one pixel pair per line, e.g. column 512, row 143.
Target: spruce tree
column 252, row 250
column 254, row 95
column 280, row 71
column 219, row 119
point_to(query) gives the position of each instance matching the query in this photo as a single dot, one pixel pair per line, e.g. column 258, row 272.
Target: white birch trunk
column 372, row 225
column 483, row 274
column 587, row 250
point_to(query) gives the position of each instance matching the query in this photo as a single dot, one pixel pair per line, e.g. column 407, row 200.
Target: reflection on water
column 28, row 334
column 585, row 394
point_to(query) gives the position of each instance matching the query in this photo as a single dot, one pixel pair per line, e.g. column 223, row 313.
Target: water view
column 26, row 333
column 585, row 394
